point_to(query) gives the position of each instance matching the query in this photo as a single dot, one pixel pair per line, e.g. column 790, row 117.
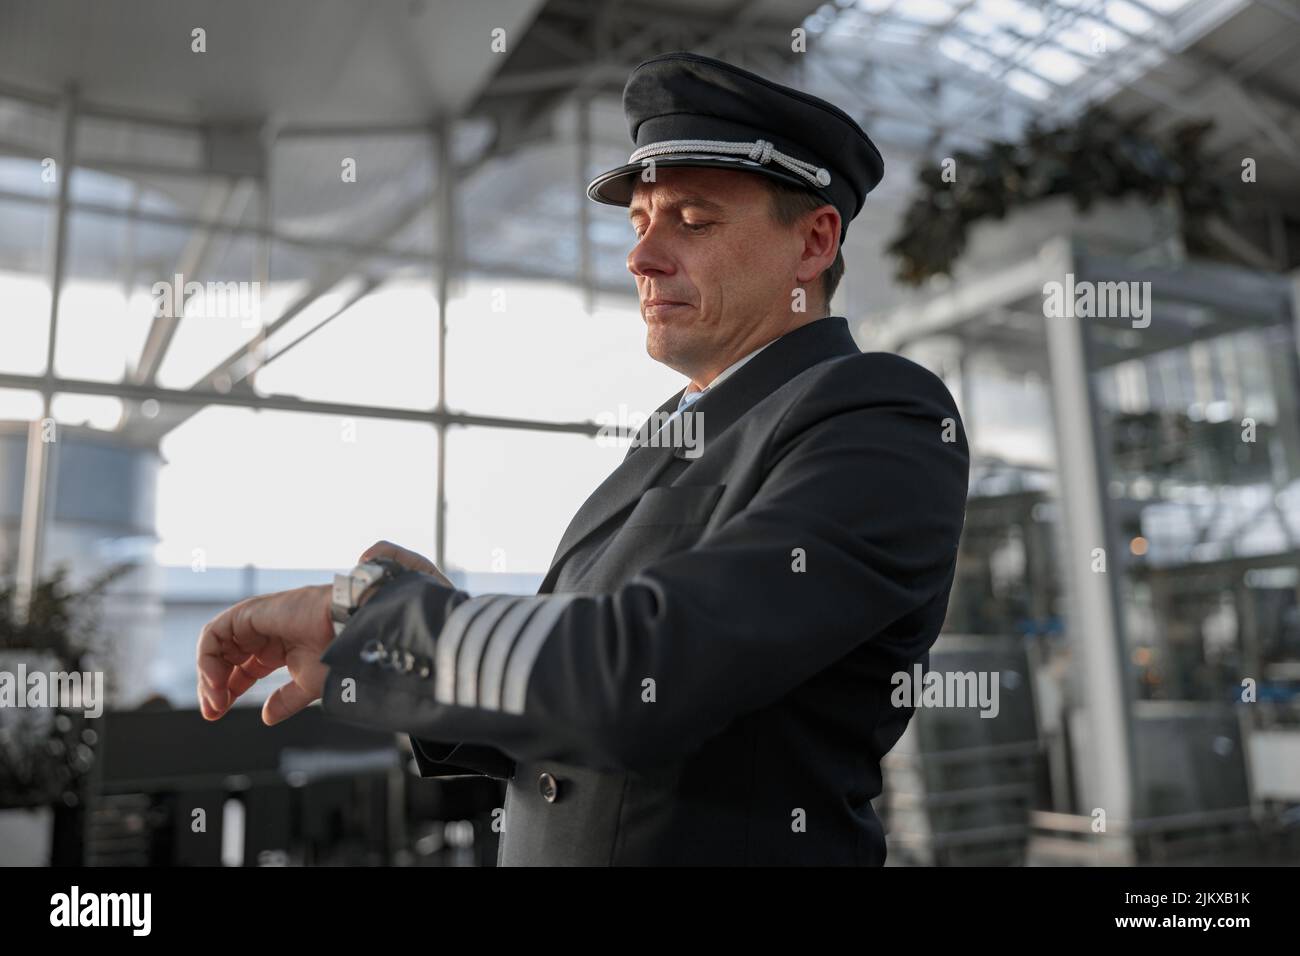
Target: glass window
column 511, row 494
column 528, row 349
column 24, row 320
column 291, row 490
column 381, row 350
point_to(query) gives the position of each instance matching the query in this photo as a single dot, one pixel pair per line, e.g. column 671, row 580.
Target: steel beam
column 188, row 263
column 41, row 437
column 199, row 398
column 445, row 227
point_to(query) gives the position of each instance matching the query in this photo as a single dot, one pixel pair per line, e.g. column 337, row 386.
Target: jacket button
column 549, row 787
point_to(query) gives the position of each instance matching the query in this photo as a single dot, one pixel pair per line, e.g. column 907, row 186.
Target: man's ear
column 821, row 236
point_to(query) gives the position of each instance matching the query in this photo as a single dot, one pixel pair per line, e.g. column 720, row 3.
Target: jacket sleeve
column 855, row 524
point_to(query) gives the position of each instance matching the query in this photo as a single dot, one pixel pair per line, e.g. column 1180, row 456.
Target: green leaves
column 1098, row 157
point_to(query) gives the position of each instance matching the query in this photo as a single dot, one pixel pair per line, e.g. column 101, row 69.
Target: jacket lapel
column 767, row 371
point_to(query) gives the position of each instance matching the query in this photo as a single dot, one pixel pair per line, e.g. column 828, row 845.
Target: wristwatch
column 350, row 588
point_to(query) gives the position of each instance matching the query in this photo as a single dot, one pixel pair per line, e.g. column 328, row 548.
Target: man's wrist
column 352, row 590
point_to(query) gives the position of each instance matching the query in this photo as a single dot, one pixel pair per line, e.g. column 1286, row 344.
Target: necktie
column 687, row 400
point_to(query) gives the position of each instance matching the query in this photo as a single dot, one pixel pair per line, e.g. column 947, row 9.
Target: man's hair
column 789, row 202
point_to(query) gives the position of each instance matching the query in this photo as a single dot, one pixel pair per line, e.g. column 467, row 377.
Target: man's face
column 714, row 269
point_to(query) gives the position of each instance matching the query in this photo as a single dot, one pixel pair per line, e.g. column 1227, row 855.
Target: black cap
column 684, row 109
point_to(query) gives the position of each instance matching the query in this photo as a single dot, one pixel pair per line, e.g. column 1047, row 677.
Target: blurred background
column 403, row 299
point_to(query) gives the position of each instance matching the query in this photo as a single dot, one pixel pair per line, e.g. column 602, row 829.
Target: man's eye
column 697, row 226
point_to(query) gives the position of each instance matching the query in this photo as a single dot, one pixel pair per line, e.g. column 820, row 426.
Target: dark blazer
column 704, row 674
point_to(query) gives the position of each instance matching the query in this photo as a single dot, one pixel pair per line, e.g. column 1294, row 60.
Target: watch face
column 366, row 575
column 341, row 596
column 391, row 566
column 348, row 589
column 373, row 573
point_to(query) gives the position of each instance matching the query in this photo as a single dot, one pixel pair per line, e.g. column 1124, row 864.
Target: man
column 705, row 673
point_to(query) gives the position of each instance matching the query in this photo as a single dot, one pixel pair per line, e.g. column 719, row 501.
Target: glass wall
column 295, row 282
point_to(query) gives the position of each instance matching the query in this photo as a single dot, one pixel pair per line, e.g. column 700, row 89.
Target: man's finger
column 212, row 659
column 411, row 560
column 406, row 558
column 212, row 700
column 213, row 703
column 226, row 642
column 245, row 675
column 287, row 700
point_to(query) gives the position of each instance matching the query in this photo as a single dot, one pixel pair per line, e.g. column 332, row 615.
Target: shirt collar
column 689, row 397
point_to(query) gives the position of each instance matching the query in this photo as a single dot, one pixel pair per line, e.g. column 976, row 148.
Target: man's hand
column 407, row 559
column 257, row 637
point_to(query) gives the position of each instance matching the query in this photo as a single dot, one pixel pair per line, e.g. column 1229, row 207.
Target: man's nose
column 649, row 258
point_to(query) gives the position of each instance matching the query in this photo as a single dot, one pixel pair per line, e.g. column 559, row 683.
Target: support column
column 41, row 435
column 445, row 230
column 1095, row 622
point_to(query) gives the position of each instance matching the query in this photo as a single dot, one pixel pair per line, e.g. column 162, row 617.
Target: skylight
column 1040, row 50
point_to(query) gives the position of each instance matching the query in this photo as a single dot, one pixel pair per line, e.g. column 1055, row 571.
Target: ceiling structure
column 312, row 80
column 332, row 62
column 475, row 126
column 228, row 159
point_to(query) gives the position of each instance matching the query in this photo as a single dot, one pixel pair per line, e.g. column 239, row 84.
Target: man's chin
column 663, row 345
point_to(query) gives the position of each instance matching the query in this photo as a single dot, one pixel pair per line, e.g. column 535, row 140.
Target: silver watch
column 350, row 588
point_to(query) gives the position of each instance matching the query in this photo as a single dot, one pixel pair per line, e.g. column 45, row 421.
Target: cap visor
column 615, row 186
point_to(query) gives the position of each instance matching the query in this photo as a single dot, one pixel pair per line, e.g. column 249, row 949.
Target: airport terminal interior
column 433, row 306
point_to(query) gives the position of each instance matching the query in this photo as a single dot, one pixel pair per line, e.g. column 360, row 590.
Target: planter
column 45, row 751
column 1125, row 227
column 25, row 836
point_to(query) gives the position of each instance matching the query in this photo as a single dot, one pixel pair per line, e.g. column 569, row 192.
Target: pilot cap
column 684, row 109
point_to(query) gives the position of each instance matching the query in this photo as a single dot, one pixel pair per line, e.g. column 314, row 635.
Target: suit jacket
column 704, row 674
